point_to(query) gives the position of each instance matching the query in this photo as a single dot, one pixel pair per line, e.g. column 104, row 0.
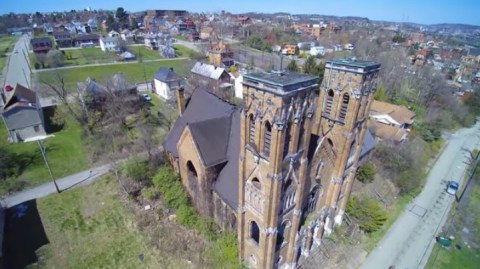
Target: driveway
column 18, row 70
column 409, row 242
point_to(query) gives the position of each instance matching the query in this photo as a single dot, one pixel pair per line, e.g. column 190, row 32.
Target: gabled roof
column 387, row 132
column 207, row 70
column 211, row 138
column 400, row 113
column 202, row 106
column 166, row 75
column 20, row 95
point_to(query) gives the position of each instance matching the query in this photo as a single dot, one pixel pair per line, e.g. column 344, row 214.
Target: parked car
column 452, row 187
column 145, row 97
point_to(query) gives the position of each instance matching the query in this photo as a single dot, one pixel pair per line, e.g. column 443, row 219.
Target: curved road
column 409, row 242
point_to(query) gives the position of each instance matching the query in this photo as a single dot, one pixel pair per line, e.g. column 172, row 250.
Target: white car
column 452, row 187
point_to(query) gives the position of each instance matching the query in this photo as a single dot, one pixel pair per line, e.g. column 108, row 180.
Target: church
column 277, row 170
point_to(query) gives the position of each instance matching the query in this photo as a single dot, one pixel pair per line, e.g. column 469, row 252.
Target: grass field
column 144, row 53
column 134, row 72
column 64, row 151
column 182, row 51
column 6, row 45
column 89, row 227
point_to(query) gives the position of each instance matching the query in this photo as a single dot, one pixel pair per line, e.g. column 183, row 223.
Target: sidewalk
column 79, row 179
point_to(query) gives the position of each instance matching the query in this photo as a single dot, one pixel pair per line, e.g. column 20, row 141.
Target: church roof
column 215, row 128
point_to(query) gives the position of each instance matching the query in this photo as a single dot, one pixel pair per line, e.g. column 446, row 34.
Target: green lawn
column 134, row 72
column 143, row 53
column 88, row 56
column 182, row 51
column 6, row 45
column 89, row 227
column 442, row 258
column 64, row 151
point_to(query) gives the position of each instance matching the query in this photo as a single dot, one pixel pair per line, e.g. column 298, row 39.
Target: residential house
column 206, row 33
column 127, row 35
column 113, row 33
column 94, row 95
column 220, row 54
column 80, row 27
column 63, row 39
column 22, row 114
column 390, row 122
column 41, row 44
column 165, row 82
column 87, row 40
column 193, row 35
column 289, row 49
column 92, row 23
column 48, row 28
column 213, row 78
column 317, row 50
column 151, row 41
column 110, row 44
column 243, row 20
column 181, row 26
column 71, row 28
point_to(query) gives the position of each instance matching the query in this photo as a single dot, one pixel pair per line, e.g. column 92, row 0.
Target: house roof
column 41, row 40
column 87, row 37
column 166, row 75
column 368, row 144
column 387, row 132
column 207, row 70
column 400, row 113
column 110, row 39
column 20, row 95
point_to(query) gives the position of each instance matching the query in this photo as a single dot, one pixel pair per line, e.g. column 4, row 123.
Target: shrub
column 149, row 193
column 168, row 184
column 223, row 252
column 368, row 212
column 366, row 173
column 187, row 216
column 136, row 170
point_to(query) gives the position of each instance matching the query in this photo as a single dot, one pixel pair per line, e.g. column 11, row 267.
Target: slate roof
column 368, row 144
column 215, row 128
column 211, row 138
column 387, row 132
column 208, row 70
column 201, row 107
column 166, row 75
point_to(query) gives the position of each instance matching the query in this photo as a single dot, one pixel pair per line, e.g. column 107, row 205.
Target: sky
column 417, row 11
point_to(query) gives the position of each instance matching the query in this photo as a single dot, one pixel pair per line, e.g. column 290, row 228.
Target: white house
column 80, row 27
column 110, row 44
column 127, row 35
column 239, row 85
column 151, row 41
column 165, row 82
column 71, row 28
column 389, row 121
column 113, row 33
column 318, row 50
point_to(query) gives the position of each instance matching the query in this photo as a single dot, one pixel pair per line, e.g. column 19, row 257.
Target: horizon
column 407, row 11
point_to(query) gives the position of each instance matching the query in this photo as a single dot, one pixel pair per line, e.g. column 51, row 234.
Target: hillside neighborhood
column 167, row 138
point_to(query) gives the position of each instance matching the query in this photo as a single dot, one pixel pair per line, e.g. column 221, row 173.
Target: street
column 18, row 70
column 409, row 241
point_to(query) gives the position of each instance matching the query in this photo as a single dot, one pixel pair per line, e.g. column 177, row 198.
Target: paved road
column 79, row 179
column 410, row 240
column 18, row 70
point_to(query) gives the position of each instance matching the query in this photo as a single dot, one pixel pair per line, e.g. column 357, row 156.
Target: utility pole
column 42, row 150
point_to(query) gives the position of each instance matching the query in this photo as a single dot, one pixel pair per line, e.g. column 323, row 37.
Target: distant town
column 173, row 139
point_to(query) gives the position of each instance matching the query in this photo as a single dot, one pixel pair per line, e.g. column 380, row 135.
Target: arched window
column 312, row 200
column 329, row 102
column 251, row 129
column 344, row 107
column 267, row 138
column 283, row 234
column 286, row 145
column 256, row 183
column 191, row 169
column 254, row 232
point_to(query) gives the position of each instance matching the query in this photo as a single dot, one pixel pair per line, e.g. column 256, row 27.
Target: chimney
column 180, row 95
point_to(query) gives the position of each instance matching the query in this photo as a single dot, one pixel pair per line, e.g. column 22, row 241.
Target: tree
column 110, row 22
column 366, row 173
column 367, row 211
column 311, row 67
column 55, row 58
column 292, row 66
column 398, row 39
column 122, row 17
